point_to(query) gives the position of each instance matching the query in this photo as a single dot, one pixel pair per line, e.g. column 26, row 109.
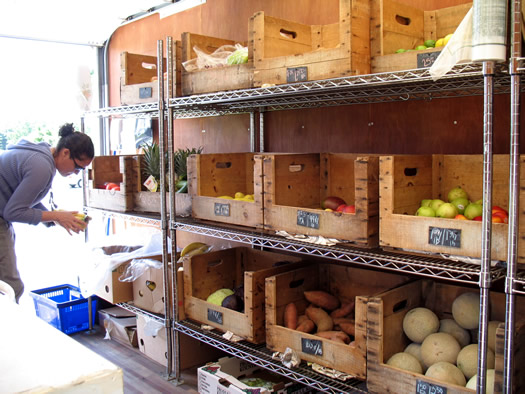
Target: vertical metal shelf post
column 514, row 187
column 163, row 216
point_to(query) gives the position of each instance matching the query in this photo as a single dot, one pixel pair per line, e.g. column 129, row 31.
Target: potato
column 346, row 325
column 334, row 336
column 322, row 320
column 322, row 299
column 290, row 316
column 306, row 325
column 344, row 310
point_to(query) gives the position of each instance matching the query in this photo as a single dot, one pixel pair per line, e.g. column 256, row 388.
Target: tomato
column 111, row 185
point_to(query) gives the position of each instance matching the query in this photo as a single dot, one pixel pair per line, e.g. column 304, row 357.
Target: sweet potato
column 346, row 325
column 322, row 299
column 334, row 336
column 322, row 320
column 344, row 310
column 306, row 325
column 290, row 316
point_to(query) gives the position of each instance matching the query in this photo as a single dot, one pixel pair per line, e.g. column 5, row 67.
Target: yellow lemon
column 439, row 43
column 239, row 195
column 447, row 39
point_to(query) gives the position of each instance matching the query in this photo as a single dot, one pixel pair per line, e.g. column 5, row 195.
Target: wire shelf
column 134, row 217
column 420, row 265
column 142, row 312
column 137, row 110
column 259, row 355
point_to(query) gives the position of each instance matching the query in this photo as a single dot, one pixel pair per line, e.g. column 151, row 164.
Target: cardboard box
column 286, row 51
column 120, row 325
column 224, row 376
column 152, row 343
column 406, row 180
column 348, row 284
column 215, row 175
column 400, row 26
column 295, row 185
column 231, row 268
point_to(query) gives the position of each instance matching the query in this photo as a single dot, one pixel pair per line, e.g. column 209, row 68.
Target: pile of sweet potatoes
column 326, row 316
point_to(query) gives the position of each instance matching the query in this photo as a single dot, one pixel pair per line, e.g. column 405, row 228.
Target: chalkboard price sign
column 145, row 93
column 426, row 59
column 307, row 219
column 312, row 346
column 296, row 74
column 444, row 236
column 429, row 388
column 215, row 316
column 222, row 209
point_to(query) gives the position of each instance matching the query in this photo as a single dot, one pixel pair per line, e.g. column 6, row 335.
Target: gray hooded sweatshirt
column 26, row 174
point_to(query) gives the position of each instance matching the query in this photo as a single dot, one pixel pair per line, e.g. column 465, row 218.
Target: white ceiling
column 74, row 21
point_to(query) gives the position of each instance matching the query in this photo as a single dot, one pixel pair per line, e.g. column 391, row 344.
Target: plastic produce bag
column 137, row 267
column 219, row 58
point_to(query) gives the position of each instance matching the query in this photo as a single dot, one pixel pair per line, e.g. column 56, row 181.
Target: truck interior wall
column 451, row 125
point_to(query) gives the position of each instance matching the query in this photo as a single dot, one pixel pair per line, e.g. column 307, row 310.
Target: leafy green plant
column 151, row 160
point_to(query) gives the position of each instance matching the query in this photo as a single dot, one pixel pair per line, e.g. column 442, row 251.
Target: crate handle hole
column 291, row 35
column 410, row 171
column 141, row 293
column 106, row 288
column 149, row 66
column 400, row 306
column 403, row 20
column 214, row 263
column 296, row 167
column 296, row 283
column 225, row 164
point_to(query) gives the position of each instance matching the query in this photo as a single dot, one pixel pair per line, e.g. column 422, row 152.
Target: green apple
column 435, row 204
column 426, row 211
column 460, row 203
column 426, row 202
column 473, row 210
column 420, row 48
column 480, row 201
column 447, row 211
column 456, row 192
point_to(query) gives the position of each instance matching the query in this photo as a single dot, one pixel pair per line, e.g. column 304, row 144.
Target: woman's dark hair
column 79, row 144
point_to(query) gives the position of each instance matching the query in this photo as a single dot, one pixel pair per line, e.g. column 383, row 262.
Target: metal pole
column 488, row 75
column 514, row 177
column 261, row 130
column 252, row 131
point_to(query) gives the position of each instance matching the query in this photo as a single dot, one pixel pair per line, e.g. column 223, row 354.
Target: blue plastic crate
column 64, row 308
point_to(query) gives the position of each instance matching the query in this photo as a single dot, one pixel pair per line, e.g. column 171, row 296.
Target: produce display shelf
column 519, row 283
column 138, row 110
column 259, row 355
column 134, row 217
column 420, row 265
column 133, row 309
column 462, row 80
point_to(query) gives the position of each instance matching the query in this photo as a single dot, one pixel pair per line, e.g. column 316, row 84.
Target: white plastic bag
column 219, row 58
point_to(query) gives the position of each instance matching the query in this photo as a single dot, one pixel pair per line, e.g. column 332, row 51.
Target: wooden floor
column 141, row 374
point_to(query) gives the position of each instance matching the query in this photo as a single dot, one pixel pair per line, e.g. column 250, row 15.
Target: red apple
column 332, row 202
column 349, row 209
column 111, row 185
column 502, row 215
column 478, row 218
column 340, row 208
column 497, row 219
column 460, row 217
column 495, row 208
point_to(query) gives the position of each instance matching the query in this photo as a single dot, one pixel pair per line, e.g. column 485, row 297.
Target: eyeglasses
column 77, row 166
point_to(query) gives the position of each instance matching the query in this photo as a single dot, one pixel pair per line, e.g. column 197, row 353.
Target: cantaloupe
column 451, row 327
column 465, row 310
column 439, row 346
column 418, row 323
column 489, row 384
column 415, row 350
column 491, row 334
column 405, row 361
column 467, row 360
column 446, row 372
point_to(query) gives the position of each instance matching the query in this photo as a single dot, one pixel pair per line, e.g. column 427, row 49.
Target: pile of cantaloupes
column 446, row 349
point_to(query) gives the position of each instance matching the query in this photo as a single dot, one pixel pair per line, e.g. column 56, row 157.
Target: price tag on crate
column 312, row 346
column 425, row 60
column 307, row 219
column 221, row 209
column 215, row 316
column 429, row 388
column 444, row 236
column 296, row 74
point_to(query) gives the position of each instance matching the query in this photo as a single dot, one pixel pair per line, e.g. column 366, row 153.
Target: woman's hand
column 66, row 219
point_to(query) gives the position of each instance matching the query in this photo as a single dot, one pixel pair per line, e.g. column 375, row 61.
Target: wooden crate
column 115, row 169
column 229, row 268
column 295, row 185
column 147, row 201
column 396, row 25
column 138, row 77
column 406, row 180
column 233, row 77
column 348, row 284
column 218, row 174
column 386, row 336
column 311, row 52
